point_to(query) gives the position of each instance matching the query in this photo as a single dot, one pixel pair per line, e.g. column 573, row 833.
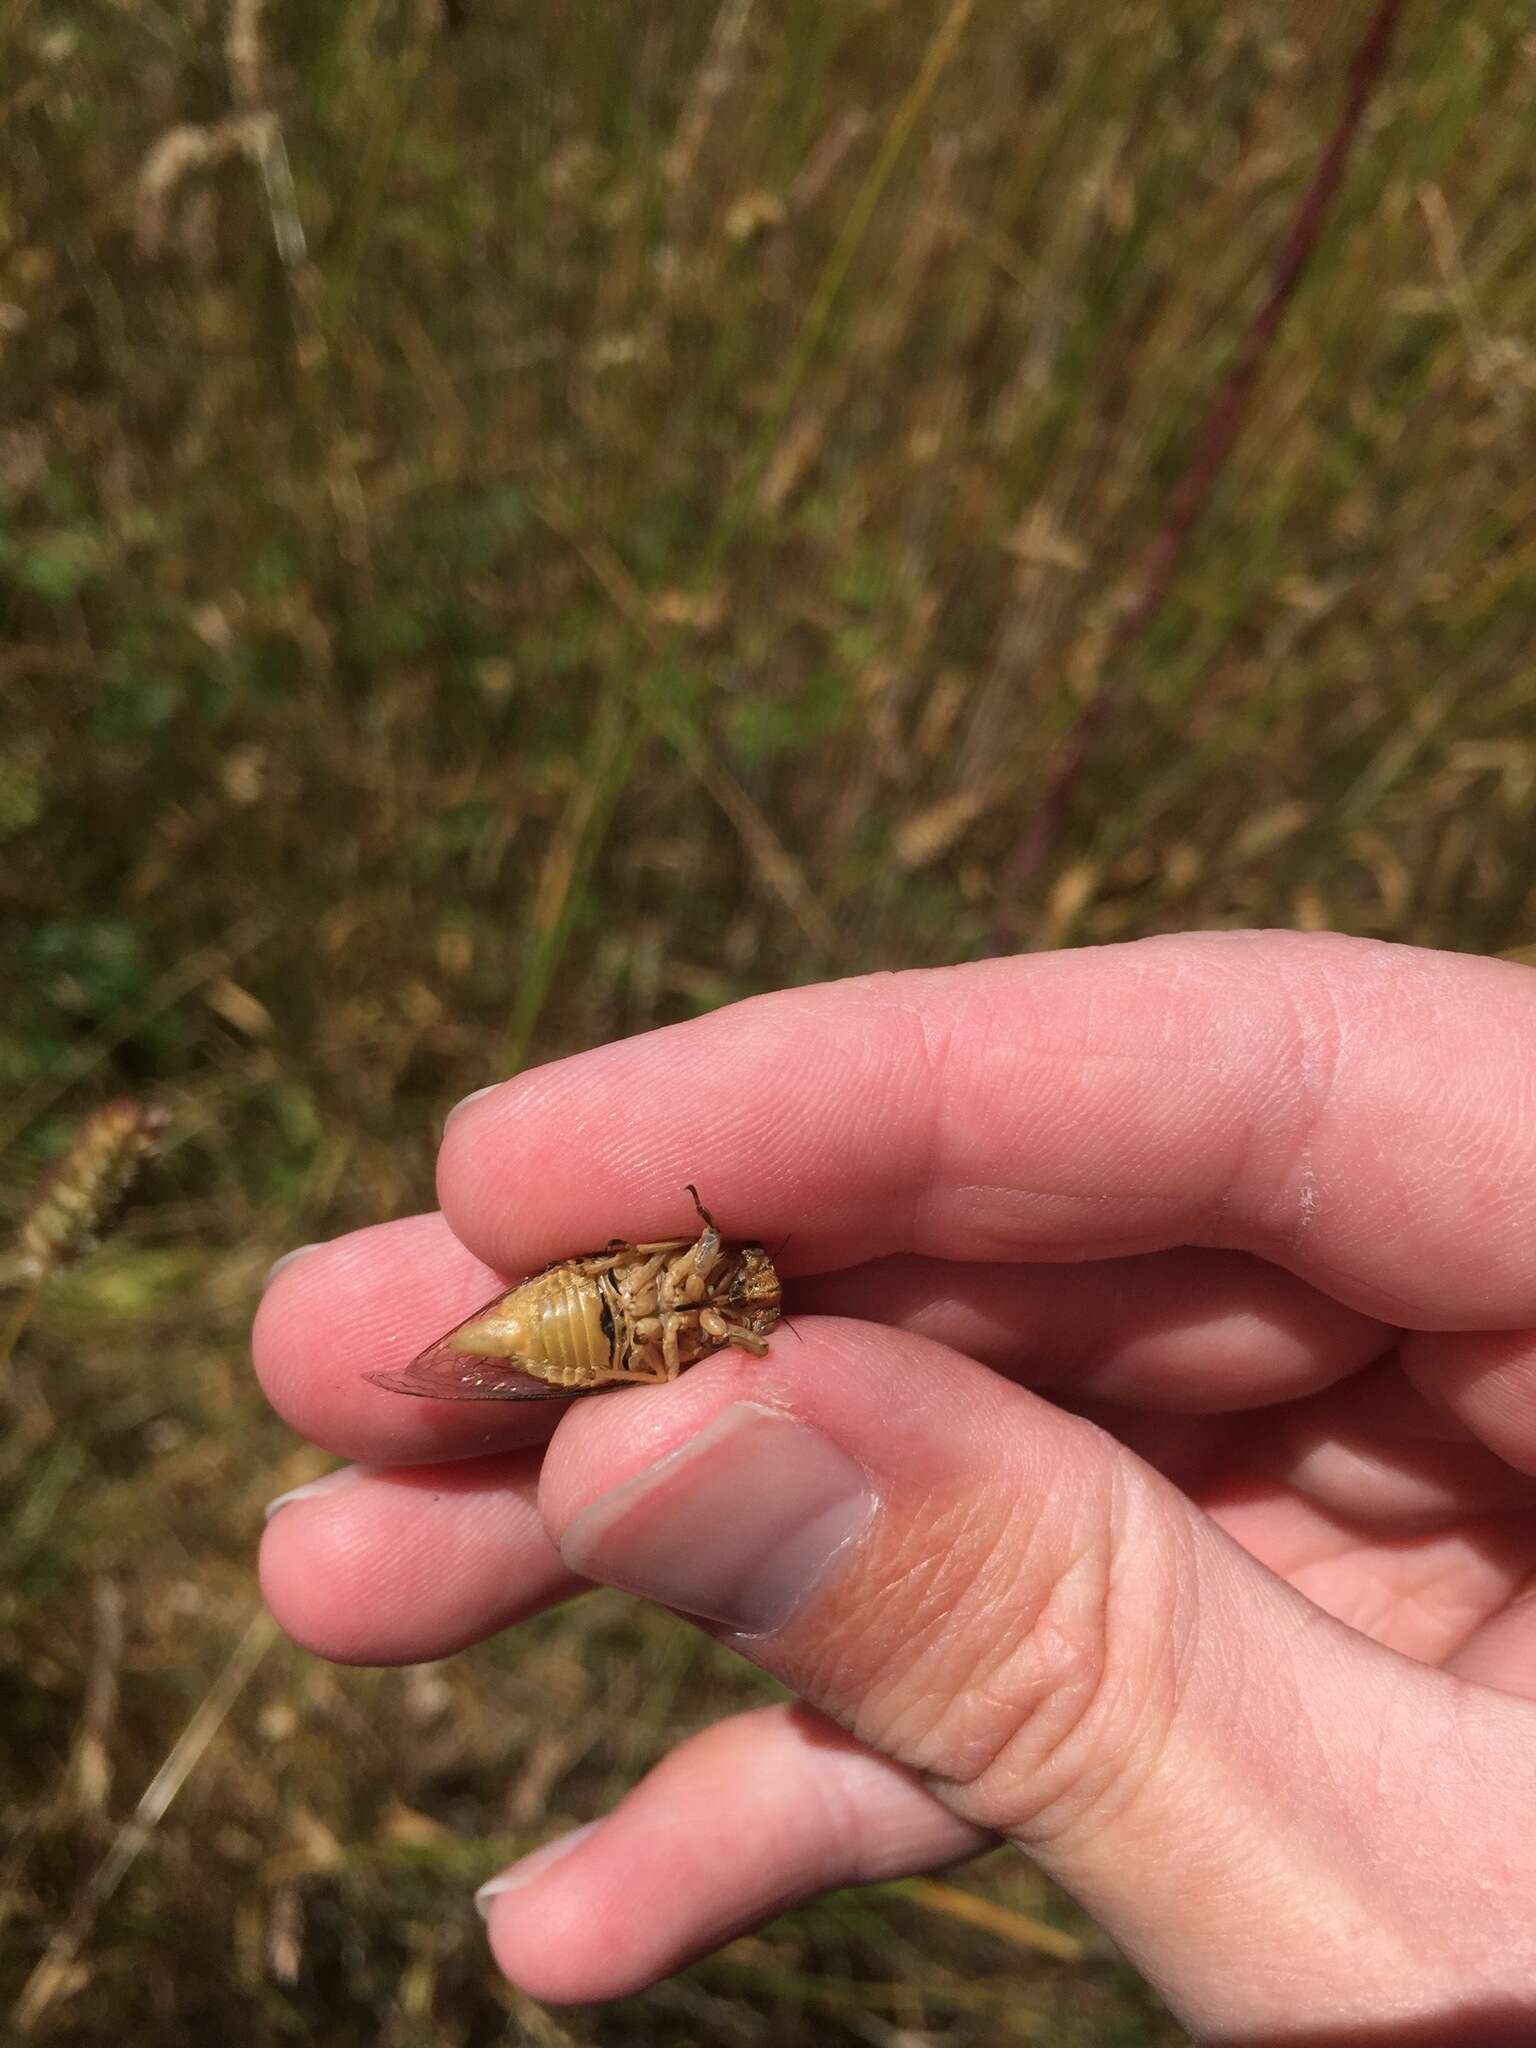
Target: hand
column 1150, row 1487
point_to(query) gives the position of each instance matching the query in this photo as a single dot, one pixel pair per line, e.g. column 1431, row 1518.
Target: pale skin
column 1177, row 1303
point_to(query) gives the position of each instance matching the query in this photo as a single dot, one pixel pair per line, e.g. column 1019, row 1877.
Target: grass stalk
column 54, row 1970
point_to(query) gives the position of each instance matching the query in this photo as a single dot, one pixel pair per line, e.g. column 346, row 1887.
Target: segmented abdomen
column 563, row 1315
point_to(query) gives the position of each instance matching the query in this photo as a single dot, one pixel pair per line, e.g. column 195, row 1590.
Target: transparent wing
column 459, row 1378
column 444, row 1373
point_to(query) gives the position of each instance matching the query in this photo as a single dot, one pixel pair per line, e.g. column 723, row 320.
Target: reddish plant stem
column 1213, row 445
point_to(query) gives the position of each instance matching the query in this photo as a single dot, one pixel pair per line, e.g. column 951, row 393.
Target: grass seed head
column 82, row 1194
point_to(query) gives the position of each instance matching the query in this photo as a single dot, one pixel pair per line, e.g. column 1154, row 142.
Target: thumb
column 1272, row 1815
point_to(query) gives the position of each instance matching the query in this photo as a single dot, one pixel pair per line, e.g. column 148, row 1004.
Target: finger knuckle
column 1035, row 1684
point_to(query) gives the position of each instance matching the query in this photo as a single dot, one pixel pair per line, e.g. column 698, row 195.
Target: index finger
column 1363, row 1114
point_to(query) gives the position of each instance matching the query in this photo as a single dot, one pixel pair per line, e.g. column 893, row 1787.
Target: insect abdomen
column 569, row 1344
column 551, row 1327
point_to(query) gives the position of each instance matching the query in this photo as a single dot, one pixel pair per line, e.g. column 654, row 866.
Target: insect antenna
column 786, row 1324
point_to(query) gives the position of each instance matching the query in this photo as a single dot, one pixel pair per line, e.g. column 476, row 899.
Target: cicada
column 631, row 1315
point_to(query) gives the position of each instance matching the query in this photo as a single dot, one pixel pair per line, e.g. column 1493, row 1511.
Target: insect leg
column 707, row 1250
column 631, row 1280
column 636, row 1357
column 746, row 1340
column 637, row 1375
column 654, row 1254
column 685, row 1282
column 689, row 1274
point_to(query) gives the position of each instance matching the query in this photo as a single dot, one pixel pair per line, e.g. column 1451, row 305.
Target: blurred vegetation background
column 520, row 522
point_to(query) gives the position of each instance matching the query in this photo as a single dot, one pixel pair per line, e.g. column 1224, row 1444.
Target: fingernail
column 531, row 1866
column 329, row 1482
column 739, row 1526
column 287, row 1259
column 464, row 1103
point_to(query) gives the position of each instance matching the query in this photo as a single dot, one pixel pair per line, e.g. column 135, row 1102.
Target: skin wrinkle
column 841, row 1826
column 1398, row 1600
column 920, row 1594
column 1127, row 1761
column 1319, row 1081
column 1320, row 1049
column 1022, row 1677
column 1287, row 1068
column 933, row 1050
column 1334, row 1559
column 1070, row 1669
column 1417, row 1603
column 1048, row 1664
column 925, row 1618
column 851, row 1664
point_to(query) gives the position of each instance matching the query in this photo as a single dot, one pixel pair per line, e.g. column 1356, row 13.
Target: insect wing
column 444, row 1373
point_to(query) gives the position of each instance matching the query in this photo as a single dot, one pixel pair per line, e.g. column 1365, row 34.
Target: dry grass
column 524, row 522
